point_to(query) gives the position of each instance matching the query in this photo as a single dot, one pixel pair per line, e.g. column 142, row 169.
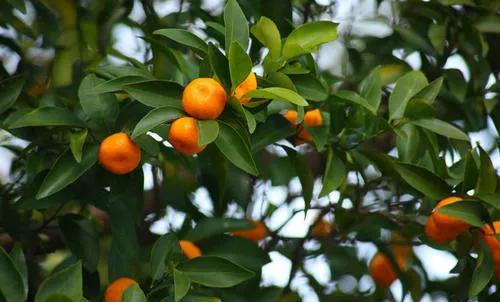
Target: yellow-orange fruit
column 382, row 271
column 183, row 135
column 115, row 290
column 322, row 229
column 291, row 117
column 259, row 232
column 249, row 84
column 492, row 241
column 438, row 235
column 446, row 223
column 204, row 99
column 313, row 118
column 119, row 154
column 189, row 249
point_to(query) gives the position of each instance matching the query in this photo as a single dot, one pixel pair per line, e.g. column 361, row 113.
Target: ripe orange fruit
column 321, row 229
column 382, row 271
column 204, row 98
column 291, row 117
column 115, row 290
column 119, row 154
column 446, row 223
column 189, row 249
column 259, row 232
column 492, row 241
column 313, row 118
column 249, row 84
column 183, row 135
column 437, row 235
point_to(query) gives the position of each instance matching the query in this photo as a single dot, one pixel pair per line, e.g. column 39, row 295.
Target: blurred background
column 31, row 39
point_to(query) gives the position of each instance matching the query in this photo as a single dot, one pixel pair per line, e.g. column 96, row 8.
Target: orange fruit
column 313, row 118
column 115, row 290
column 204, row 98
column 119, row 154
column 291, row 117
column 249, row 84
column 321, row 229
column 492, row 241
column 382, row 271
column 259, row 232
column 183, row 135
column 446, row 223
column 189, row 249
column 399, row 248
column 437, row 235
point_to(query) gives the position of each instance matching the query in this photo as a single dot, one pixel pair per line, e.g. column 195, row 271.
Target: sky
column 356, row 16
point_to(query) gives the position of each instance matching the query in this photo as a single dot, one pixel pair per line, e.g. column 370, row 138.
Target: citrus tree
column 235, row 102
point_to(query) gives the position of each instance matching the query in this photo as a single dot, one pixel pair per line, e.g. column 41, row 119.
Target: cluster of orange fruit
column 382, row 269
column 115, row 290
column 202, row 98
column 312, row 118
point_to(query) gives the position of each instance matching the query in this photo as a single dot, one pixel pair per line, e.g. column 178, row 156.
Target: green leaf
column 278, row 93
column 275, row 128
column 423, row 180
column 240, row 64
column 305, row 38
column 82, row 238
column 11, row 281
column 66, row 171
column 10, row 89
column 492, row 199
column 406, row 87
column 471, row 212
column 148, row 144
column 488, row 24
column 266, row 31
column 17, row 257
column 165, row 250
column 155, row 118
column 67, row 282
column 235, row 148
column 431, row 91
column 309, row 87
column 485, row 267
column 156, row 93
column 207, row 131
column 371, row 89
column 210, row 227
column 442, row 128
column 304, row 173
column 415, row 40
column 182, row 285
column 100, row 107
column 214, row 272
column 116, row 84
column 355, row 98
column 437, row 36
column 244, row 113
column 133, row 293
column 471, row 173
column 18, row 4
column 487, row 179
column 184, row 37
column 236, row 25
column 419, row 109
column 48, row 116
column 220, row 66
column 76, row 142
column 335, row 173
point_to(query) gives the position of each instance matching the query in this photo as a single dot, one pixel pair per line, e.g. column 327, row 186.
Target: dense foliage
column 392, row 142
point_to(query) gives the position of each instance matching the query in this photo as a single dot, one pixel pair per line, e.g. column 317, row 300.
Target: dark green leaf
column 17, row 256
column 11, row 281
column 309, row 87
column 355, row 98
column 165, row 250
column 236, row 25
column 470, row 174
column 67, row 282
column 305, row 38
column 100, row 107
column 431, row 91
column 335, row 173
column 424, row 181
column 492, row 199
column 471, row 212
column 133, row 293
column 214, row 272
column 155, row 118
column 207, row 131
column 48, row 116
column 483, row 271
column 304, row 173
column 76, row 142
column 184, row 37
column 488, row 24
column 116, row 84
column 406, row 87
column 214, row 226
column 220, row 66
column 442, row 128
column 240, row 64
column 10, row 89
column 66, row 171
column 182, row 285
column 371, row 89
column 156, row 93
column 278, row 93
column 272, row 130
column 487, row 179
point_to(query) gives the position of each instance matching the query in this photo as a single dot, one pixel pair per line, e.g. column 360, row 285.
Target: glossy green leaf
column 10, row 89
column 305, row 38
column 492, row 199
column 442, row 128
column 11, row 281
column 156, row 93
column 209, row 227
column 165, row 250
column 424, row 181
column 66, row 170
column 414, row 39
column 485, row 267
column 67, row 282
column 437, row 36
column 431, row 91
column 371, row 89
column 278, row 93
column 181, row 285
column 133, row 293
column 19, row 260
column 82, row 238
column 207, row 131
column 487, row 178
column 471, row 173
column 155, row 118
column 244, row 113
column 471, row 212
column 48, row 116
column 76, row 142
column 488, row 24
column 335, row 173
column 240, row 64
column 310, row 88
column 406, row 87
column 266, row 31
column 236, row 25
column 184, row 37
column 304, row 173
column 275, row 128
column 214, row 272
column 355, row 98
column 220, row 66
column 235, row 148
column 99, row 107
column 117, row 84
